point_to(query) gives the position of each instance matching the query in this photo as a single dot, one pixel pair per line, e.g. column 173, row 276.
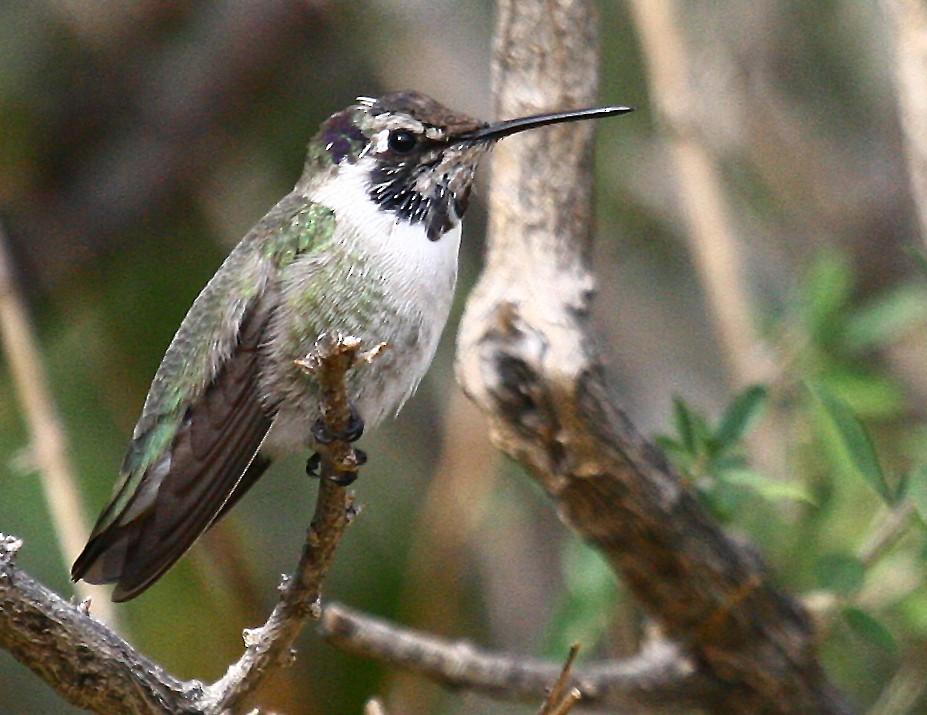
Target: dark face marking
column 342, row 138
column 418, row 172
column 394, row 183
column 411, row 178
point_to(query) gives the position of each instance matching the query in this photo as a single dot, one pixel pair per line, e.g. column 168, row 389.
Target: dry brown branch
column 375, row 707
column 48, row 442
column 909, row 27
column 269, row 647
column 83, row 660
column 657, row 676
column 561, row 698
column 527, row 357
column 712, row 238
column 94, row 669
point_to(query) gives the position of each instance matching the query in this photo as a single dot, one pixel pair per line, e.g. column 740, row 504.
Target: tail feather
column 178, row 520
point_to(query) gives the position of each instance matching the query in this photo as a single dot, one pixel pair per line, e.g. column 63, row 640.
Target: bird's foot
column 348, row 468
column 351, row 433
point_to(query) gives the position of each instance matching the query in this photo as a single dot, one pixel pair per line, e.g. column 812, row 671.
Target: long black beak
column 511, row 126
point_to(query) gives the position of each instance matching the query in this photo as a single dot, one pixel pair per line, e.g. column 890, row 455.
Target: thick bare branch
column 93, row 668
column 526, row 356
column 908, row 20
column 658, row 676
column 83, row 660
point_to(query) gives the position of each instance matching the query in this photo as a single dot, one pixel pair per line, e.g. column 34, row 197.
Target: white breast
column 421, row 270
column 416, row 277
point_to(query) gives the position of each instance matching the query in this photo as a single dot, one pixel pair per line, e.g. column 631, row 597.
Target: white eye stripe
column 381, row 143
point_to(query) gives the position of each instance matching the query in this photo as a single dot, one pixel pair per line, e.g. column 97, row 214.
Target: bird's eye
column 401, row 141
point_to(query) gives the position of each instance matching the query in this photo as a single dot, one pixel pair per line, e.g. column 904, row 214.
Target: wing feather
column 218, row 438
column 194, row 451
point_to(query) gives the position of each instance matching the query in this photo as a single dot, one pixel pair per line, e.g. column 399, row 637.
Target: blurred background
column 140, row 141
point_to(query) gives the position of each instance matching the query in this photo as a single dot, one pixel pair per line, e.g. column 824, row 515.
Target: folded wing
column 179, row 495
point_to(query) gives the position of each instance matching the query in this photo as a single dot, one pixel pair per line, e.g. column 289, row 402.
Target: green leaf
column 851, row 441
column 919, row 258
column 867, row 393
column 842, row 574
column 869, row 629
column 740, row 415
column 826, row 288
column 685, row 425
column 767, row 487
column 886, row 317
column 917, row 491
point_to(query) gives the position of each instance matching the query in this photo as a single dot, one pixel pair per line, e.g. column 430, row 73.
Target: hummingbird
column 365, row 244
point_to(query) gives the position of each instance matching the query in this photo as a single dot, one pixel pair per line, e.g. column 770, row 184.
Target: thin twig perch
column 269, row 647
column 93, row 668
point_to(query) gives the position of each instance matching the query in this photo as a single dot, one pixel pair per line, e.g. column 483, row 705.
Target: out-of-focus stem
column 910, row 36
column 447, row 522
column 904, row 690
column 711, row 237
column 48, row 442
column 889, row 527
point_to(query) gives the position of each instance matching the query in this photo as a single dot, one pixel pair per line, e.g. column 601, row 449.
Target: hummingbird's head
column 419, row 157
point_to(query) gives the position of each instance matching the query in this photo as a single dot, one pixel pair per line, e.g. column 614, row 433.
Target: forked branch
column 658, row 675
column 91, row 667
column 527, row 357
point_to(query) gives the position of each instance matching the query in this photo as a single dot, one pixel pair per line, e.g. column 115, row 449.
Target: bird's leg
column 352, row 431
column 315, row 461
column 324, row 436
column 340, row 423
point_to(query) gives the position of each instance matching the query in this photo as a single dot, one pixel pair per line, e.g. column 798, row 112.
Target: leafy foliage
column 849, row 442
column 848, row 434
column 713, row 456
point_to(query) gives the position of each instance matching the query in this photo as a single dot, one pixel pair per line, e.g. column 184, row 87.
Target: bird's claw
column 348, row 472
column 344, row 479
column 352, row 432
